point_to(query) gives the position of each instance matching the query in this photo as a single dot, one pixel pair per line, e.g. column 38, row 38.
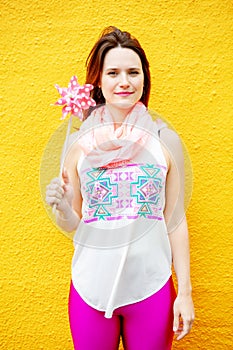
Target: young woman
column 123, row 193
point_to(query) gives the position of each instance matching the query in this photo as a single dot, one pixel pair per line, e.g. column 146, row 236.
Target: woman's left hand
column 183, row 316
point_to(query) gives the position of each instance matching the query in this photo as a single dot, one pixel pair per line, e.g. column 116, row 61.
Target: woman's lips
column 124, row 93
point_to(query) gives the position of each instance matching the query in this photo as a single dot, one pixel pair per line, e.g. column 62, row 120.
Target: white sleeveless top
column 122, row 250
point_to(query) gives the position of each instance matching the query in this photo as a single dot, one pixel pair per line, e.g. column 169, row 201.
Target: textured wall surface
column 190, row 47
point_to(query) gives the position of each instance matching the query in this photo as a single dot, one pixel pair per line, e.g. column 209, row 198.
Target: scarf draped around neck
column 107, row 147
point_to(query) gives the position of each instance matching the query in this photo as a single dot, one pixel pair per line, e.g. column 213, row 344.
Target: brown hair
column 110, row 38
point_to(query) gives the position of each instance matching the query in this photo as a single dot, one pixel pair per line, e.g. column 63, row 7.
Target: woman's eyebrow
column 111, row 68
column 133, row 68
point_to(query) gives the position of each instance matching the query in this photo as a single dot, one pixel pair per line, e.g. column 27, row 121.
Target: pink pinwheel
column 75, row 98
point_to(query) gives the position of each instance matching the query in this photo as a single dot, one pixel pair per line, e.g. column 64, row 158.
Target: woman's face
column 122, row 78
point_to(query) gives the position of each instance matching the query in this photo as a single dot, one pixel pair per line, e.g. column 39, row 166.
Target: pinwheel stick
column 64, row 151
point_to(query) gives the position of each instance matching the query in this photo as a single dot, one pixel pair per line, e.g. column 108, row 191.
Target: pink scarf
column 106, row 147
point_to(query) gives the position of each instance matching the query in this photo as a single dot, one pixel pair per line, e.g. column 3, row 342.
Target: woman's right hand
column 60, row 193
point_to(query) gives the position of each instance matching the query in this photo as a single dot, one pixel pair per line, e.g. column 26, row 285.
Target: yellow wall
column 189, row 46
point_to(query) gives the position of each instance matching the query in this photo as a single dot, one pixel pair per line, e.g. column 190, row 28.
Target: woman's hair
column 110, row 38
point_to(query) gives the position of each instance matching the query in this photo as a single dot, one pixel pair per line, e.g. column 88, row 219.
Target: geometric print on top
column 147, row 189
column 127, row 192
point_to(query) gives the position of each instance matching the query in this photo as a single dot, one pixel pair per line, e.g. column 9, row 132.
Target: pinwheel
column 75, row 98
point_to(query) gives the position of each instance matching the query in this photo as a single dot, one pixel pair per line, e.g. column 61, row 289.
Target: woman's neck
column 118, row 113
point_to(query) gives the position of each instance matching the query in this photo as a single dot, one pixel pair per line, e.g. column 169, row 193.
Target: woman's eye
column 134, row 72
column 112, row 73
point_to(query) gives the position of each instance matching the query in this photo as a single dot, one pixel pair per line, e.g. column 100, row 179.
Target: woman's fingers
column 54, row 192
column 184, row 328
column 52, row 200
column 176, row 321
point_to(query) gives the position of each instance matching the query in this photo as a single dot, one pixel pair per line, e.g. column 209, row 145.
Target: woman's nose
column 124, row 82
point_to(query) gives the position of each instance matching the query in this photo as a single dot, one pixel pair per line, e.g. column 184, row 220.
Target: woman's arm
column 183, row 305
column 174, row 214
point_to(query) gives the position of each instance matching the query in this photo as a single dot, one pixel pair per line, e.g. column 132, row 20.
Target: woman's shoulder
column 171, row 141
column 166, row 133
column 170, row 136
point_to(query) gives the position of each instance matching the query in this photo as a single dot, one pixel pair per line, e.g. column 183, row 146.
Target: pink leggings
column 143, row 325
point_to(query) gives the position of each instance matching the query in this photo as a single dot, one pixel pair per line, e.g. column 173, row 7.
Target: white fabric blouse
column 122, row 252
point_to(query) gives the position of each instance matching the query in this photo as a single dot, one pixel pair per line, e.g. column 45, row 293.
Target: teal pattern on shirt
column 128, row 192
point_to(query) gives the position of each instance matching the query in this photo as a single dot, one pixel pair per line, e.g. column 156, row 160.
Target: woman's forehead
column 121, row 57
